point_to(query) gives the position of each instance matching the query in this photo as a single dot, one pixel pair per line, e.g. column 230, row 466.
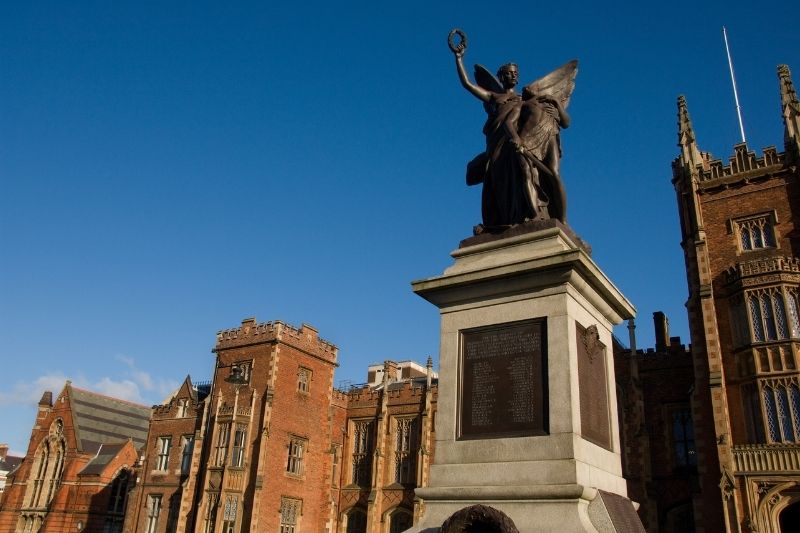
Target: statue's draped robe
column 504, row 200
column 514, row 189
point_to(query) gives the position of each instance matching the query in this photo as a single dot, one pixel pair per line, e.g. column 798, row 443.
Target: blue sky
column 168, row 169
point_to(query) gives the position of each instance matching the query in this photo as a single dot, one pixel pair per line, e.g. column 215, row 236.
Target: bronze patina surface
column 519, row 168
column 503, row 385
column 592, row 384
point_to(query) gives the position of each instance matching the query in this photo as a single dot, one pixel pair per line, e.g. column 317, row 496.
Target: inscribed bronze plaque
column 503, row 381
column 593, row 387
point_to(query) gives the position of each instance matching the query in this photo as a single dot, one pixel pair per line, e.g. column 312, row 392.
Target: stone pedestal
column 527, row 411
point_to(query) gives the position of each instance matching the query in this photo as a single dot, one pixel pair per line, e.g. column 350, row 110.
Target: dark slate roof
column 202, row 390
column 10, row 463
column 101, row 419
column 104, row 456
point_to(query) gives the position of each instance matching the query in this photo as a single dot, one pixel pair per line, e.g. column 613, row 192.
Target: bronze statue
column 520, row 167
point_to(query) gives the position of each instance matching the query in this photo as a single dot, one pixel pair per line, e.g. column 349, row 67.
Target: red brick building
column 659, row 459
column 164, row 498
column 251, row 450
column 386, row 447
column 740, row 228
column 79, row 465
column 271, row 445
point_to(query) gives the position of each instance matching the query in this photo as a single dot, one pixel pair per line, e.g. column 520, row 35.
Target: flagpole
column 733, row 81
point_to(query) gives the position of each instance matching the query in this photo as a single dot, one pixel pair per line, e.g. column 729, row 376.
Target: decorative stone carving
column 726, row 485
column 591, row 341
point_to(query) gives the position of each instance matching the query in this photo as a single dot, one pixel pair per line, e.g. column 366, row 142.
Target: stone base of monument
column 526, row 421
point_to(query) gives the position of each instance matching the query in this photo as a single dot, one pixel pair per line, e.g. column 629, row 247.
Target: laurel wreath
column 459, row 47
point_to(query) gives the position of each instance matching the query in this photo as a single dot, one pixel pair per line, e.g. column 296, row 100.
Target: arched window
column 356, row 521
column 54, row 475
column 400, row 520
column 790, row 517
column 41, row 461
column 48, row 465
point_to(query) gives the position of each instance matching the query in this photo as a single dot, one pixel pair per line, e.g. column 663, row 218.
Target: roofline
column 112, row 397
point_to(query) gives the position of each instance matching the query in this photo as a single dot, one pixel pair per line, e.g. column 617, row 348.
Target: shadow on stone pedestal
column 526, row 419
column 479, row 518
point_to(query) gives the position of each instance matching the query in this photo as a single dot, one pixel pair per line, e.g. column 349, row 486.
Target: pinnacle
column 788, row 94
column 684, row 122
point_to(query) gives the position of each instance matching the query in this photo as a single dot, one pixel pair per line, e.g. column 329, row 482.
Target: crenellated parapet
column 398, row 392
column 363, row 394
column 305, row 338
column 248, row 332
column 339, row 398
column 740, row 165
column 776, row 268
column 744, row 165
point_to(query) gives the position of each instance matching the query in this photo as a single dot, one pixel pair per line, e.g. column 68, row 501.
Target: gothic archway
column 356, row 521
column 775, row 499
column 400, row 519
column 789, row 519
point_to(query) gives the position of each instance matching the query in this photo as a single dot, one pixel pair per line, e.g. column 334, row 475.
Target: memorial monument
column 526, row 429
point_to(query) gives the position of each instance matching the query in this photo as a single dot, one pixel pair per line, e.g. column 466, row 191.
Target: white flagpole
column 733, row 81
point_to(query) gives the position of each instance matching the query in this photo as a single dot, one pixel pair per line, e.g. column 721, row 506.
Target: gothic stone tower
column 740, row 232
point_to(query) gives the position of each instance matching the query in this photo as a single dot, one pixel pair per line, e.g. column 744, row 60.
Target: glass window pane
column 758, row 229
column 745, row 235
column 794, row 396
column 783, row 414
column 769, row 317
column 794, row 316
column 769, row 237
column 772, row 415
column 780, row 315
column 755, row 317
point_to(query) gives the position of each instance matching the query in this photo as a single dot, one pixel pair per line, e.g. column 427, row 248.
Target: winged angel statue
column 520, row 167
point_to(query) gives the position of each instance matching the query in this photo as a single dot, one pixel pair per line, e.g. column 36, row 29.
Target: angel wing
column 486, row 80
column 560, row 83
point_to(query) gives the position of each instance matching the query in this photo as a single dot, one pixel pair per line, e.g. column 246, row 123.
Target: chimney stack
column 661, row 324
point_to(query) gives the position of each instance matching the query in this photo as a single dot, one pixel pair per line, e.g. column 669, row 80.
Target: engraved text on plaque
column 503, row 385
